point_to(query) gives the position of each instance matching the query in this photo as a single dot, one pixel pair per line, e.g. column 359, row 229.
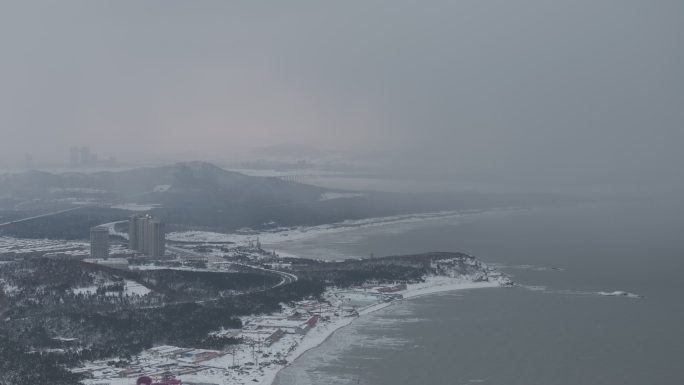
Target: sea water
column 554, row 328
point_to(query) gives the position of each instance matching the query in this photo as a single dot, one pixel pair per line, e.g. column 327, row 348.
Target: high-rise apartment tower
column 99, row 242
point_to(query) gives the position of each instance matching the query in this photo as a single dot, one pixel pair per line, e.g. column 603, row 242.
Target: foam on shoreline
column 321, row 334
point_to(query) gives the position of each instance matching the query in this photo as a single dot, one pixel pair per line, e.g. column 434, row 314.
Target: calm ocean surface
column 554, row 329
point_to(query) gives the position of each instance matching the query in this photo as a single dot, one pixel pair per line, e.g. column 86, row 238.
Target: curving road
column 285, row 278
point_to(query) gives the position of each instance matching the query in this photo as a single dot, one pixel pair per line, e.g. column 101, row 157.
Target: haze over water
column 553, row 329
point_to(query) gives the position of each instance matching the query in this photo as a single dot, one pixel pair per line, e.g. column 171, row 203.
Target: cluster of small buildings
column 156, row 362
column 265, row 342
column 277, row 326
column 147, row 235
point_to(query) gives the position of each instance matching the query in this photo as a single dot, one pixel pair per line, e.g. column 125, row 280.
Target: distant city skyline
column 81, row 156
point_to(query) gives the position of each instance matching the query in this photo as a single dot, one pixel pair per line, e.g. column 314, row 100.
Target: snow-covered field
column 299, row 233
column 25, row 245
column 337, row 195
column 51, row 247
column 131, row 288
column 134, row 288
column 136, row 207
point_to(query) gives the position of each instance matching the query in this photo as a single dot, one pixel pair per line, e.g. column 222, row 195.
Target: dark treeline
column 43, row 281
column 19, row 367
column 42, row 313
column 70, row 225
column 411, row 268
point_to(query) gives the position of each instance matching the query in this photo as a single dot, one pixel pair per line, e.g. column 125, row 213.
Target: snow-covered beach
column 433, row 285
column 280, row 234
column 222, row 368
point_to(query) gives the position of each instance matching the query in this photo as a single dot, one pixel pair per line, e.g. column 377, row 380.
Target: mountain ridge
column 180, row 177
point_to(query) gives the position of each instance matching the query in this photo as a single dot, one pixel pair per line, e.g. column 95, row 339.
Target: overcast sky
column 544, row 88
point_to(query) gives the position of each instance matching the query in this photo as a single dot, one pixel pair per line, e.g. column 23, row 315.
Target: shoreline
column 218, row 370
column 416, row 291
column 275, row 237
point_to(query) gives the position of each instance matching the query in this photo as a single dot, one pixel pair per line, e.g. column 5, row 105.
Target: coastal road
column 285, row 278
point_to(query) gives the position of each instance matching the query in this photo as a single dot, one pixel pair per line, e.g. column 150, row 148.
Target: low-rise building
column 115, row 263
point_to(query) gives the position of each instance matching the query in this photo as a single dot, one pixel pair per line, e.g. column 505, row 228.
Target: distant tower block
column 147, row 235
column 84, row 155
column 73, row 158
column 157, row 238
column 141, row 229
column 99, row 242
column 133, row 239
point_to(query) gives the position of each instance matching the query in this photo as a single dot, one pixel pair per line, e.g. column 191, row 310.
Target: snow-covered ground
column 255, row 361
column 134, row 288
column 619, row 294
column 52, row 247
column 25, row 245
column 85, row 290
column 131, row 288
column 206, row 237
column 299, row 233
column 112, row 229
column 326, row 196
column 136, row 207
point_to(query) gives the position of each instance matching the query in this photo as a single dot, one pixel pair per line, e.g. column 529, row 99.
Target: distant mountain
column 199, row 195
column 180, row 178
column 201, row 178
column 30, row 182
